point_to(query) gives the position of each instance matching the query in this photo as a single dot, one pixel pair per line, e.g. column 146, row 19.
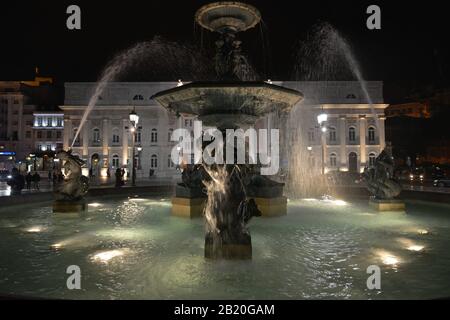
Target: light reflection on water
column 133, row 248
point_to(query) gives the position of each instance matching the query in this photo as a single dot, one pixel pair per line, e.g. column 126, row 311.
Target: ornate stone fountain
column 234, row 192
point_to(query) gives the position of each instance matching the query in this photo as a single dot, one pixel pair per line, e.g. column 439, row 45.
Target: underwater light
column 56, row 246
column 387, row 258
column 106, row 256
column 339, row 202
column 423, row 231
column 415, row 248
column 34, row 229
column 390, row 260
column 95, row 204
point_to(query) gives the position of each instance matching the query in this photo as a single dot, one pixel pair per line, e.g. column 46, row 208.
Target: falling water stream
column 151, row 58
column 325, row 55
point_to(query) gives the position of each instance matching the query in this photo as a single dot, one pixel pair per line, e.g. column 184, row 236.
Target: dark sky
column 410, row 51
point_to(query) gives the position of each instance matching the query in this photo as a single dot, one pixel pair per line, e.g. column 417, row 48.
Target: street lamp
column 134, row 119
column 322, row 120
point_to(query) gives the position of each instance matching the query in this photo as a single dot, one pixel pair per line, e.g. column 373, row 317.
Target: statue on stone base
column 379, row 178
column 74, row 185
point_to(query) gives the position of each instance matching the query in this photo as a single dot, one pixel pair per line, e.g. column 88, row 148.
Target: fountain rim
column 229, row 84
column 247, row 8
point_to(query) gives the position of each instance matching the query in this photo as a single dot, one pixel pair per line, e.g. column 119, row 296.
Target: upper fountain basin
column 227, row 16
column 228, row 104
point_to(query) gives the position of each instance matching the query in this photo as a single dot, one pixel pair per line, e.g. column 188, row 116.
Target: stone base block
column 236, row 249
column 188, row 208
column 387, row 205
column 63, row 206
column 229, row 252
column 272, row 207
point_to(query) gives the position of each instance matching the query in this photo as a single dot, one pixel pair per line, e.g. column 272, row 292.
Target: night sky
column 410, row 53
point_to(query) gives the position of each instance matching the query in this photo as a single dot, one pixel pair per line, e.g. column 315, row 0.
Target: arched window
column 371, row 134
column 169, row 162
column 154, row 136
column 96, row 135
column 352, row 134
column 115, row 136
column 332, row 134
column 333, row 160
column 169, row 135
column 154, row 161
column 372, row 157
column 115, row 161
column 138, row 97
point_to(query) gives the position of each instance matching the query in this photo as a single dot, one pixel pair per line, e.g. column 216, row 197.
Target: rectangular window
column 138, row 136
column 39, row 134
column 59, row 122
column 311, row 136
column 28, row 134
column 58, row 134
column 49, row 134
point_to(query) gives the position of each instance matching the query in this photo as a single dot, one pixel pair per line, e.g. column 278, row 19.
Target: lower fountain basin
column 135, row 249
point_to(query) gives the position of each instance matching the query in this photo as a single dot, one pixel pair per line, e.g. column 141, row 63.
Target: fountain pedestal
column 227, row 248
column 387, row 204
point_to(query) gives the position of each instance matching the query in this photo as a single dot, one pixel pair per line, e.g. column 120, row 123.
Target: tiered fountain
column 235, row 193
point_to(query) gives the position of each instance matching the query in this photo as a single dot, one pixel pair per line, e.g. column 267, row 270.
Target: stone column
column 343, row 141
column 362, row 140
column 125, row 123
column 381, row 133
column 67, row 133
column 85, row 132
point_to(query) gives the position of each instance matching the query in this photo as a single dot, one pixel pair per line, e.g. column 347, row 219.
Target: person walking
column 36, row 180
column 119, row 178
column 28, row 179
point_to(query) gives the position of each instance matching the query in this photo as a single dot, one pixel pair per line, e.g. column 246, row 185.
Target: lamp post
column 322, row 120
column 134, row 119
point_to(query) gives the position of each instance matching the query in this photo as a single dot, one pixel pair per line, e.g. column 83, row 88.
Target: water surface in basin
column 134, row 249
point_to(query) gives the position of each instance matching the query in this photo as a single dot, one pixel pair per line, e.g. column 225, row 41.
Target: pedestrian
column 60, row 177
column 28, row 179
column 36, row 179
column 17, row 182
column 119, row 177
